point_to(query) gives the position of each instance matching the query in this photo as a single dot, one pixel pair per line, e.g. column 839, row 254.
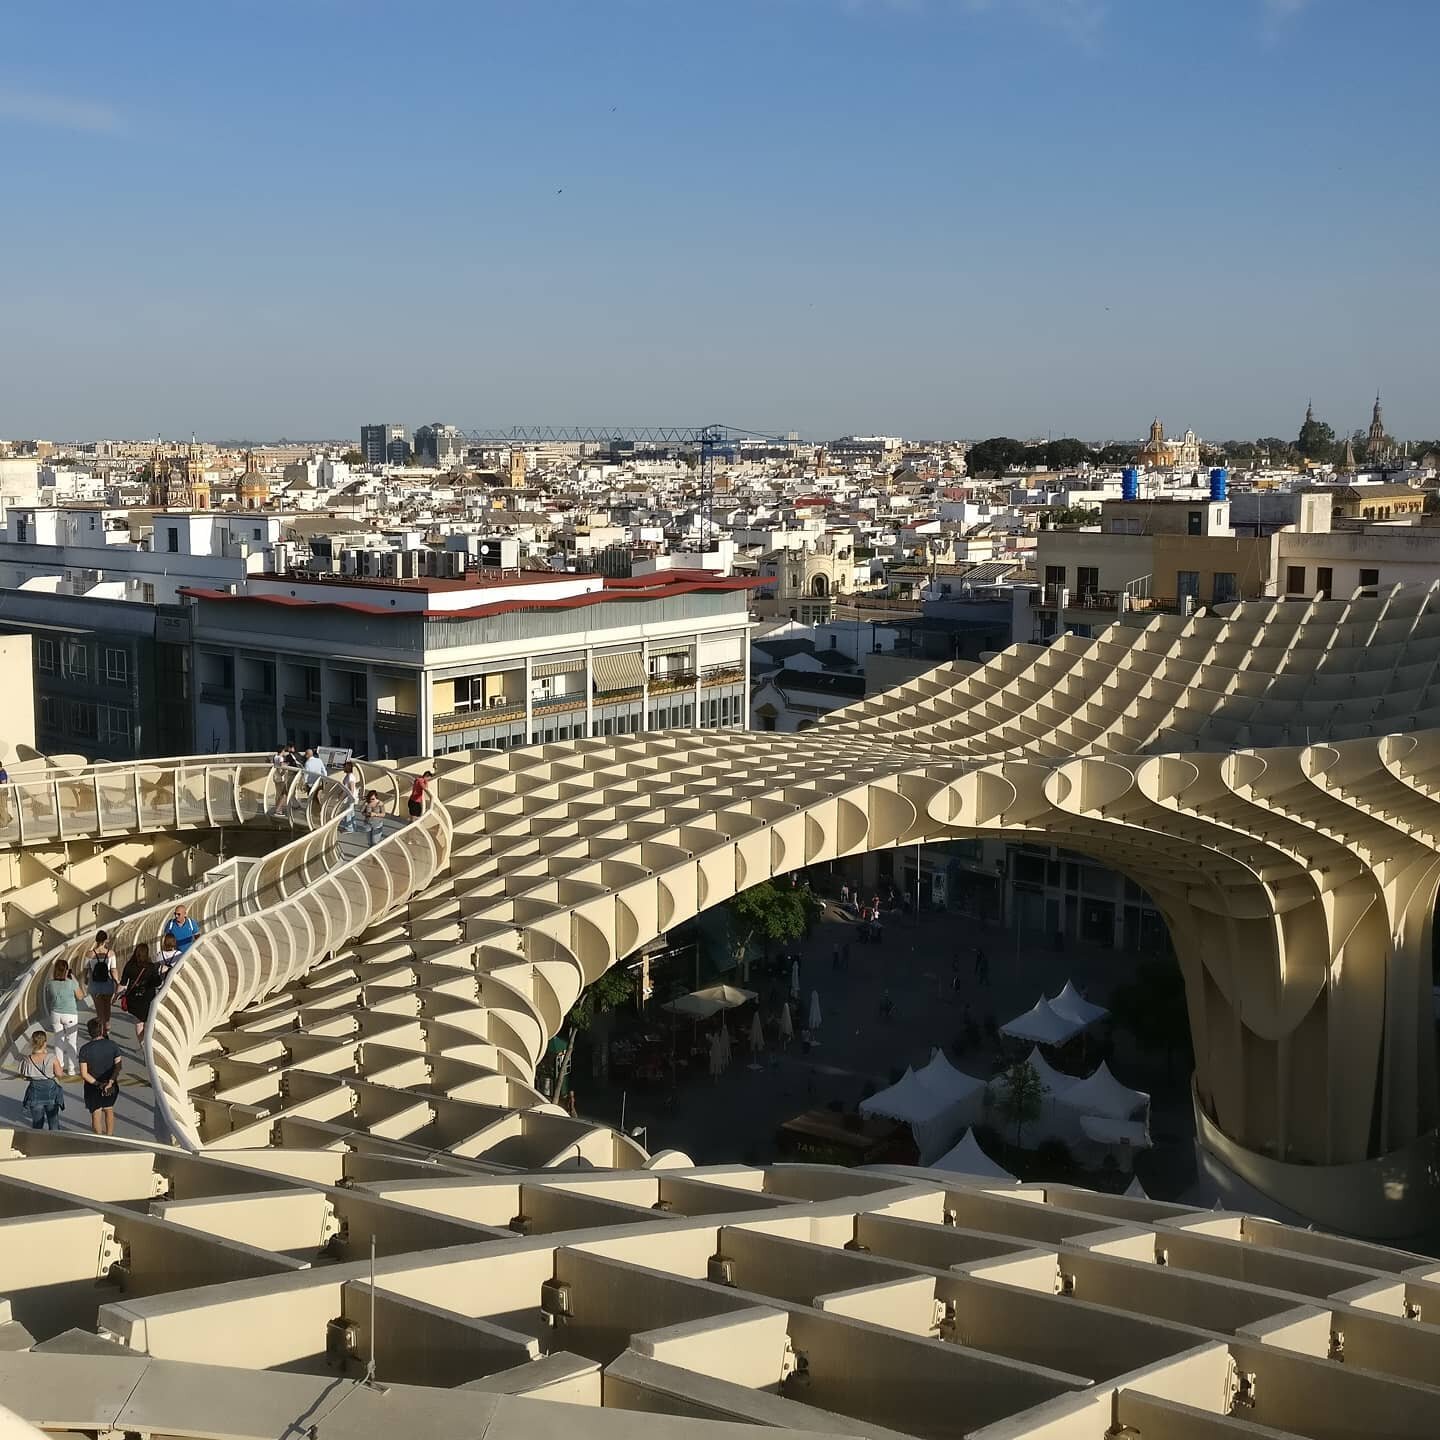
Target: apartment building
column 432, row 665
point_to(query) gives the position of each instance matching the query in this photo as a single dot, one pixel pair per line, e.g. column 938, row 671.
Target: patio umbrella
column 717, row 1062
column 725, row 1046
column 814, row 1016
column 757, row 1035
column 787, row 1028
column 795, row 979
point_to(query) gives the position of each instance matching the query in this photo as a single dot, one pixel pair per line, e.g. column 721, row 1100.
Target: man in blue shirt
column 182, row 929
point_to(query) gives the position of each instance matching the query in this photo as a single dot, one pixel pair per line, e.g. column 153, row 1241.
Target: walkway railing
column 258, row 953
column 213, row 791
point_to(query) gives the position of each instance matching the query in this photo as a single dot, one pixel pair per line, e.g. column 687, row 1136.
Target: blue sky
column 936, row 217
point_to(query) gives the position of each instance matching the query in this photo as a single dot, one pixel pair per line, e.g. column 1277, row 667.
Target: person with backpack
column 44, row 1099
column 63, row 994
column 101, row 979
column 100, row 1070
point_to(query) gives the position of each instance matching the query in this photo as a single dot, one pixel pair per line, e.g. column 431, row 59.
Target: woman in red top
column 420, row 794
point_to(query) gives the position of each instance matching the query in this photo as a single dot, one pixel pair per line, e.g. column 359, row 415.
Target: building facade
column 427, row 666
column 385, row 444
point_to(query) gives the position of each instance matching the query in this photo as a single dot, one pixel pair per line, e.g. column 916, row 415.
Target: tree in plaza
column 609, row 992
column 1152, row 1008
column 1020, row 1098
column 769, row 913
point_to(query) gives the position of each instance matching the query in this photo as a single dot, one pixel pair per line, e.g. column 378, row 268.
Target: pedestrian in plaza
column 350, row 780
column 373, row 813
column 100, row 1070
column 420, row 796
column 844, row 892
column 63, row 994
column 101, row 979
column 44, row 1099
column 182, row 929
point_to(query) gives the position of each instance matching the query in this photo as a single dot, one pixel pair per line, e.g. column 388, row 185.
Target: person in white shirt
column 282, row 769
column 350, row 779
column 314, row 771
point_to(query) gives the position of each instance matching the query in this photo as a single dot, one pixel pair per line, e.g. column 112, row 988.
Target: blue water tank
column 1129, row 483
column 1219, row 483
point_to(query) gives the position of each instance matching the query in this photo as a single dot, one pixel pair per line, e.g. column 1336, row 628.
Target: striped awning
column 557, row 667
column 657, row 651
column 619, row 672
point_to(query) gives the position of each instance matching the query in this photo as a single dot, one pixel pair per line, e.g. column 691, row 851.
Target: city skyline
column 937, row 217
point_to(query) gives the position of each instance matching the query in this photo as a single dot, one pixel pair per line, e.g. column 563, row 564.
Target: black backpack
column 100, row 970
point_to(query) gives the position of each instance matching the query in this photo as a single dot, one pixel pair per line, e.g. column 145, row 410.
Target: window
column 1194, row 522
column 1224, row 588
column 147, row 592
column 115, row 725
column 1294, row 579
column 117, row 666
column 22, row 528
column 1054, row 583
column 1369, row 580
column 312, row 682
column 77, row 660
column 1187, row 584
column 45, row 656
column 49, row 713
column 1087, row 580
column 1324, row 582
column 82, row 719
column 172, row 539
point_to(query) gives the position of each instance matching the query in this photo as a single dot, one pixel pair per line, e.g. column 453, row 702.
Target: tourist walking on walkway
column 100, row 1070
column 101, row 979
column 182, row 929
column 142, row 979
column 44, row 1099
column 63, row 994
column 314, row 771
column 373, row 813
column 420, row 796
column 350, row 779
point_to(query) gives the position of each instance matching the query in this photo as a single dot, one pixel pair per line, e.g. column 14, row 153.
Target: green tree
column 1152, row 1008
column 995, row 456
column 1065, row 454
column 770, row 914
column 609, row 992
column 353, row 457
column 1115, row 454
column 1316, row 442
column 1020, row 1098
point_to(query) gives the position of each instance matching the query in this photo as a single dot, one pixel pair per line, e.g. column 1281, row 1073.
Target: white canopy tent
column 936, row 1101
column 1074, row 1006
column 966, row 1157
column 1101, row 1094
column 1042, row 1024
column 1056, row 1082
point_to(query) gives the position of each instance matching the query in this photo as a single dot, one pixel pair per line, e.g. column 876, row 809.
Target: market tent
column 1055, row 1082
column 1043, row 1025
column 937, row 1102
column 1130, row 1133
column 1135, row 1190
column 1102, row 1094
column 1074, row 1006
column 966, row 1157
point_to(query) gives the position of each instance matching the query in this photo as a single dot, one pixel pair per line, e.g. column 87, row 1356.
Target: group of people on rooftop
column 55, row 1050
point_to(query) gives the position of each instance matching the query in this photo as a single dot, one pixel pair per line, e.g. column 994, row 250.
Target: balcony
column 671, row 681
column 1048, row 598
column 302, row 705
column 396, row 720
column 723, row 675
column 217, row 692
column 261, row 699
column 356, row 710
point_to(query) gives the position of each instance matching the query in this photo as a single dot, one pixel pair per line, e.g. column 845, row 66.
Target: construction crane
column 705, row 440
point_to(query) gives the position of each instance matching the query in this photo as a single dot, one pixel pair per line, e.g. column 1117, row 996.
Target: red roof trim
column 638, row 588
